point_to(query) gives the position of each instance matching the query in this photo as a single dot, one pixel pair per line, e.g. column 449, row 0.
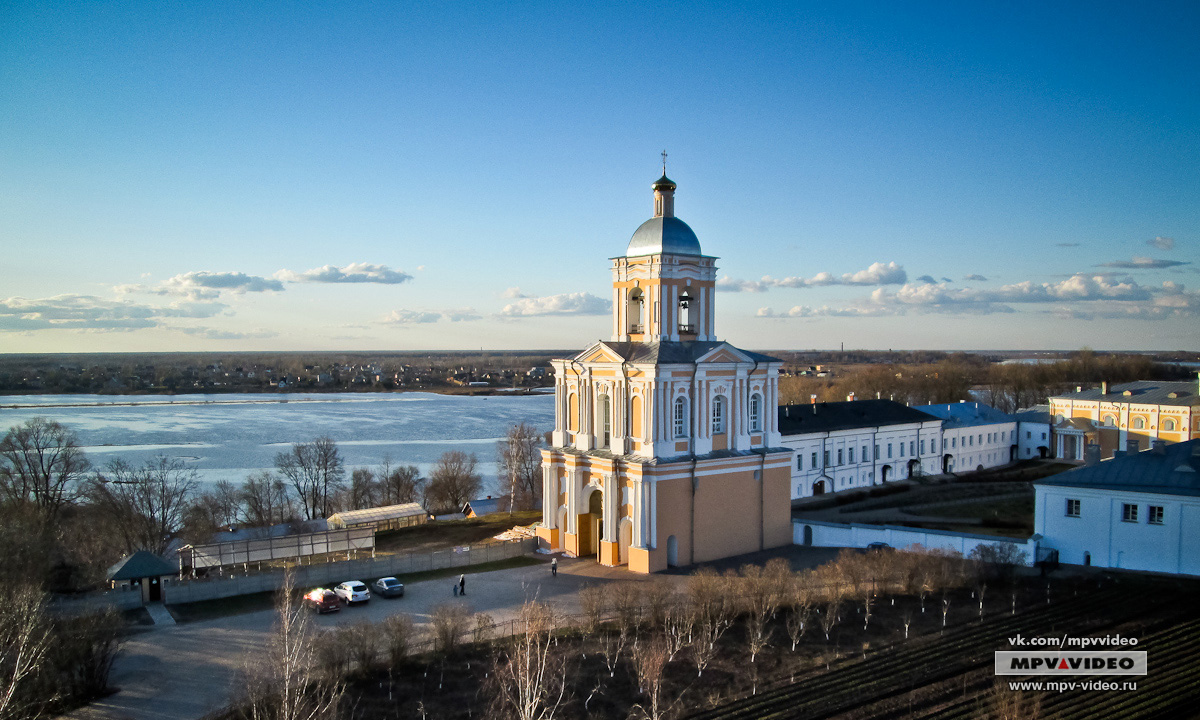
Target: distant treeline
column 1006, row 386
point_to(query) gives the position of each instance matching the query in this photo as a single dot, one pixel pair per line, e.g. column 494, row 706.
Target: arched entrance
column 672, row 551
column 1087, row 559
column 562, row 527
column 1043, row 451
column 914, row 468
column 818, row 487
column 624, row 538
column 1013, row 454
column 808, row 534
column 591, row 525
column 884, row 473
column 947, row 463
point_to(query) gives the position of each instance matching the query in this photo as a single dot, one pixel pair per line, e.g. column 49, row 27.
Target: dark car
column 323, row 600
column 878, row 547
column 388, row 587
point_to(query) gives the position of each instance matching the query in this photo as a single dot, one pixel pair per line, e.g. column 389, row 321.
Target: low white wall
column 121, row 598
column 177, row 591
column 856, row 535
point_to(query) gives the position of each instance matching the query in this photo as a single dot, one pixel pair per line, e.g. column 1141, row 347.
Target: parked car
column 878, row 547
column 353, row 591
column 323, row 600
column 388, row 587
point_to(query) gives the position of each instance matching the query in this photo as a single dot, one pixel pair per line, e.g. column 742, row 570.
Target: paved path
column 183, row 672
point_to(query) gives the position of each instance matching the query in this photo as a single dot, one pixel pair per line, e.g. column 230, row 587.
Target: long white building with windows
column 845, row 445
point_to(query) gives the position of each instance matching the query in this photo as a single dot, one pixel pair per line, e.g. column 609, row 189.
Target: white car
column 352, row 591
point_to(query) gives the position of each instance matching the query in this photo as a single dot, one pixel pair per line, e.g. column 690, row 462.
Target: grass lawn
column 449, row 533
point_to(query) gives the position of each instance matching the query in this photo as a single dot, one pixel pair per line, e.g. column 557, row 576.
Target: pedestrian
column 554, row 567
column 455, row 589
column 462, row 584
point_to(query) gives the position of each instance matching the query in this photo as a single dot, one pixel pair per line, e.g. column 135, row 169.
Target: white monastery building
column 845, row 445
column 666, row 447
column 974, row 436
column 1137, row 511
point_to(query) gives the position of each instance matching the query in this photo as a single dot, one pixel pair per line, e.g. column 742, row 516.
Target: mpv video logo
column 1110, row 662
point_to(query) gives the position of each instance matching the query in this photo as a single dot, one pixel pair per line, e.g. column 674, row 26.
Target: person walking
column 554, row 567
column 462, row 584
column 455, row 589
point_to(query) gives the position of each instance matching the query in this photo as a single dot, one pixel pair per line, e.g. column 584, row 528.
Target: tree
column 453, row 482
column 314, row 469
column 213, row 508
column 530, row 676
column 43, row 466
column 146, row 504
column 25, row 640
column 365, row 490
column 265, row 500
column 284, row 684
column 401, row 484
column 519, row 462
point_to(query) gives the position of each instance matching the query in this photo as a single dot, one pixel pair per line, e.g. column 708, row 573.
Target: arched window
column 687, row 323
column 605, row 408
column 1168, row 424
column 1139, row 424
column 756, row 413
column 635, row 311
column 680, row 416
column 1110, row 421
column 718, row 415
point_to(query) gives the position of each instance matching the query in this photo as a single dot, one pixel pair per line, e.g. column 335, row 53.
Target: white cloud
column 580, row 303
column 805, row 311
column 465, row 314
column 410, row 317
column 1162, row 243
column 203, row 285
column 352, row 273
column 513, row 293
column 214, row 334
column 88, row 312
column 1143, row 263
column 877, row 274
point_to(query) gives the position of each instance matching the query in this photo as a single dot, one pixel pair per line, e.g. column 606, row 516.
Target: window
column 813, row 464
column 954, row 442
column 1110, row 421
column 933, row 445
column 605, row 420
column 912, row 447
column 1072, row 508
column 799, row 461
column 865, row 455
column 840, row 458
column 1028, row 434
column 718, row 415
column 1139, row 424
column 1155, row 515
column 850, row 452
column 681, row 416
column 876, row 452
column 889, row 451
column 1168, row 424
column 756, row 413
column 1128, row 512
column 980, row 438
column 922, row 447
column 1043, row 436
column 826, row 459
column 902, row 449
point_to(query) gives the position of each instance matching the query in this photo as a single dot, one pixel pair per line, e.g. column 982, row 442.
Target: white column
column 653, row 509
column 612, row 502
column 639, row 514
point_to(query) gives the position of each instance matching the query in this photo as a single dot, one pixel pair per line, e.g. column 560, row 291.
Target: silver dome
column 663, row 235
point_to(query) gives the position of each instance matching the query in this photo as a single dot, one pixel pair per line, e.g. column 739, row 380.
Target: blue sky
column 229, row 176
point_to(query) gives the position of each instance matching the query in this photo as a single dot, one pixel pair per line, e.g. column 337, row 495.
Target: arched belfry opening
column 636, row 311
column 687, row 313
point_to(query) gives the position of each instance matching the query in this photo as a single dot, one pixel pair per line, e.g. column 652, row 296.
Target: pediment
column 725, row 354
column 599, row 353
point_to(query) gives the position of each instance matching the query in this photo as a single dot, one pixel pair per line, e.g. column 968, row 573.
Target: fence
column 828, row 534
column 176, row 591
column 241, row 552
column 125, row 597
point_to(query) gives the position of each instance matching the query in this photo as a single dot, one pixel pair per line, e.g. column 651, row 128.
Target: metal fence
column 243, row 552
column 187, row 590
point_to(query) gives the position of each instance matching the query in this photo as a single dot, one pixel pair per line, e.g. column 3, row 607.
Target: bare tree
column 450, row 622
column 42, row 466
column 398, row 636
column 400, row 484
column 453, row 481
column 315, row 470
column 593, row 600
column 650, row 659
column 284, row 684
column 213, row 508
column 264, row 499
column 712, row 602
column 530, row 677
column 147, row 503
column 799, row 612
column 365, row 490
column 519, row 462
column 24, row 641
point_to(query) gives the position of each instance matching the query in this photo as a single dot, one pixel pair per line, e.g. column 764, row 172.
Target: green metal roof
column 141, row 564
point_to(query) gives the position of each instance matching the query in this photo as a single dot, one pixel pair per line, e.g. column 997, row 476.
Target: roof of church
column 1142, row 392
column 663, row 235
column 827, row 417
column 1169, row 470
column 664, row 182
column 673, row 353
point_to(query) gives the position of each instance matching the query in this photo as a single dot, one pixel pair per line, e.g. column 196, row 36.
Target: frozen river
column 229, row 436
